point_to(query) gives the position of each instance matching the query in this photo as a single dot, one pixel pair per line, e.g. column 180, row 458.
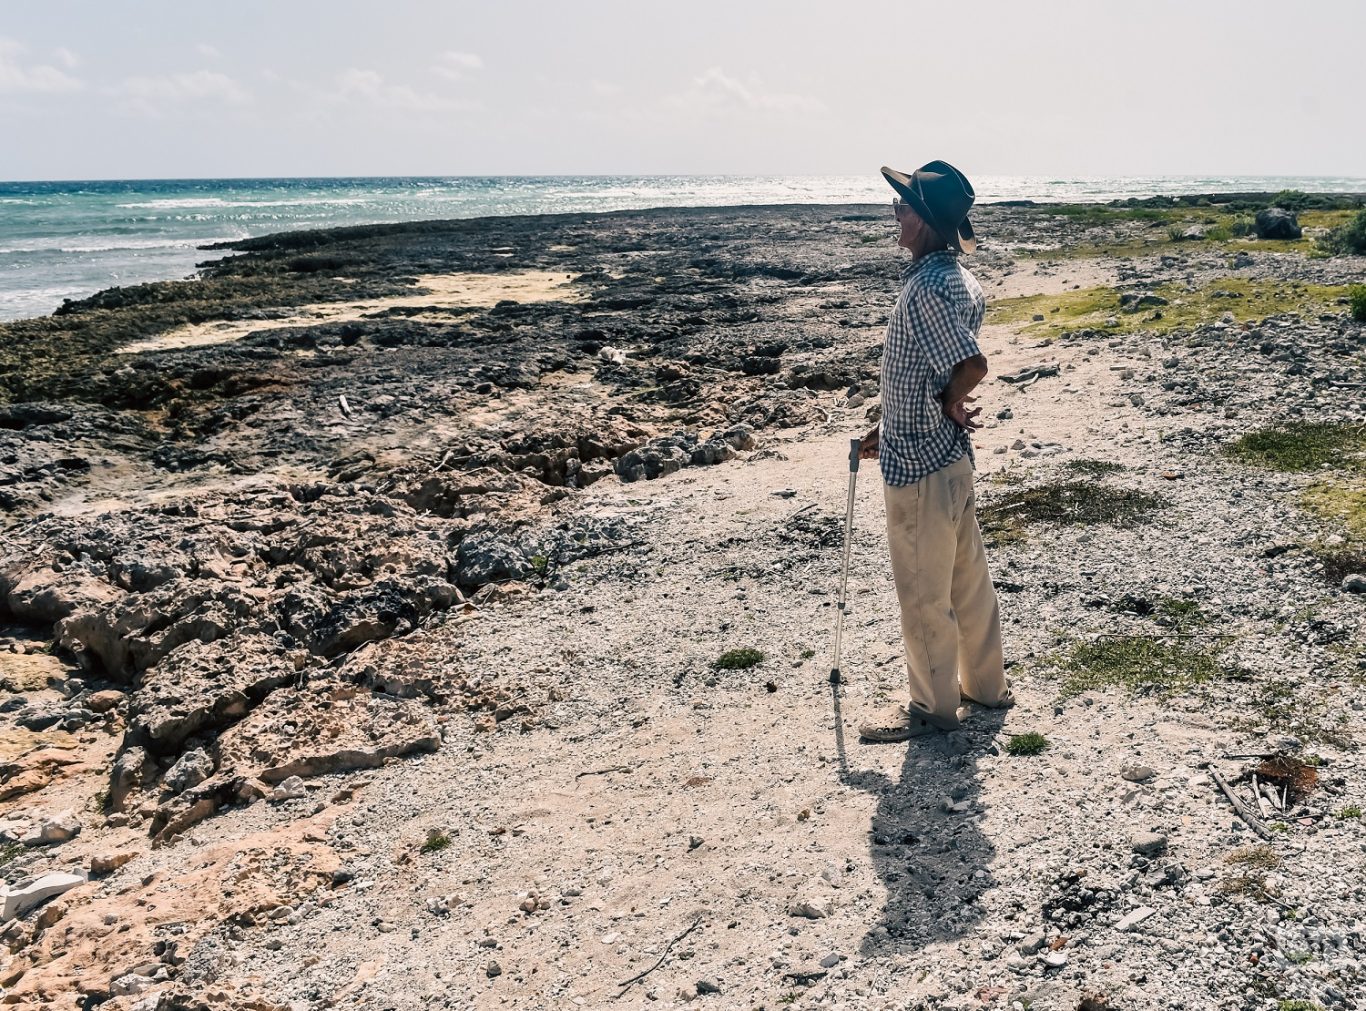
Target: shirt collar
column 915, row 265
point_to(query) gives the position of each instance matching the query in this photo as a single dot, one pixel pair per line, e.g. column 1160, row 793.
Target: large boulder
column 484, row 557
column 1277, row 223
column 654, row 460
column 130, row 772
column 190, row 769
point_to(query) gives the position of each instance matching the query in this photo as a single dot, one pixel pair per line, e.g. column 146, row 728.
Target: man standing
column 950, row 621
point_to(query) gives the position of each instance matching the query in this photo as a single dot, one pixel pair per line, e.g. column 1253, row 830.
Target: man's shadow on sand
column 933, row 863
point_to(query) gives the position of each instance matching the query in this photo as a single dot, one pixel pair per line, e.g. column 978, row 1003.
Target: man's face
column 912, row 225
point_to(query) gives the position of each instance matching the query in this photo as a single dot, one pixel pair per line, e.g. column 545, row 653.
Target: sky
column 158, row 89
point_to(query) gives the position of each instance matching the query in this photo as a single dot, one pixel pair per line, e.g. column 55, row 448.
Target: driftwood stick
column 1246, row 813
column 667, row 948
column 603, row 772
column 1262, row 809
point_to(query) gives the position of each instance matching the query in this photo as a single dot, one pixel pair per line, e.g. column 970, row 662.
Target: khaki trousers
column 950, row 620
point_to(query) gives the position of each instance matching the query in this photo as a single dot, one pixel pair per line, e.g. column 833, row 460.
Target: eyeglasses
column 900, row 208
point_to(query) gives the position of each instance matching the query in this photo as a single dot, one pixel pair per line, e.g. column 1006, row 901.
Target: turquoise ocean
column 70, row 239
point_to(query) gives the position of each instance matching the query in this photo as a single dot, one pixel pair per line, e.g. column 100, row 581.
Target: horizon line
column 1051, row 177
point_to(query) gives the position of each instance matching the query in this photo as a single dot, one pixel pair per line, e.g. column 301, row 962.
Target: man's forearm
column 966, row 375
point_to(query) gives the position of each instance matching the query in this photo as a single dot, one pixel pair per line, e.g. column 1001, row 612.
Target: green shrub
column 1027, row 744
column 739, row 659
column 1242, row 225
column 436, row 841
column 1291, row 200
column 1348, row 238
column 1356, row 296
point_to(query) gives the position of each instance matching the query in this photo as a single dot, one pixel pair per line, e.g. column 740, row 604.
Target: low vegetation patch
column 1141, row 664
column 1031, row 743
column 1350, row 812
column 1342, row 507
column 1180, row 613
column 1304, row 446
column 1348, row 237
column 1064, row 503
column 1281, row 704
column 1356, row 302
column 1094, row 468
column 1251, row 882
column 1261, row 857
column 1171, row 307
column 739, row 659
column 9, row 851
column 1248, row 884
column 1129, row 228
column 435, row 842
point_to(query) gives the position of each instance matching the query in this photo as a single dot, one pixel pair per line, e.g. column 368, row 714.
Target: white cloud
column 716, row 91
column 66, row 57
column 457, row 66
column 207, row 51
column 369, row 86
column 157, row 95
column 15, row 76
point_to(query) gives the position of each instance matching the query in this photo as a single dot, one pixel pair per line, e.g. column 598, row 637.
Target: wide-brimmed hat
column 942, row 196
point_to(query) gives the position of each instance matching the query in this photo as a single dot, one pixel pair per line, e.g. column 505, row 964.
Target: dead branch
column 1246, row 813
column 604, row 772
column 667, row 948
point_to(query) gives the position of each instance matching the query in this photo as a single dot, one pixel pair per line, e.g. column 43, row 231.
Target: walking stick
column 844, row 569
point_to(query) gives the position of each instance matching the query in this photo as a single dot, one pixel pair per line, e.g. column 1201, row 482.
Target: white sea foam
column 187, row 203
column 63, row 245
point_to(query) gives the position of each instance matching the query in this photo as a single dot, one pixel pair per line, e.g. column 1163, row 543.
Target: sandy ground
column 432, row 291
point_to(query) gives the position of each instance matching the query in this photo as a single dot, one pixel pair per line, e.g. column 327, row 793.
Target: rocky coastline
column 263, row 531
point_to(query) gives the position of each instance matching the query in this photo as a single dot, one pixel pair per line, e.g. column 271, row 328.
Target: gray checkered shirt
column 933, row 327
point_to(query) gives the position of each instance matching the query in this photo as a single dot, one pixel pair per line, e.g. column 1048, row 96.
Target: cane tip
column 835, row 676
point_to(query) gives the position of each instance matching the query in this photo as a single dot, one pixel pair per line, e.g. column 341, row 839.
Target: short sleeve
column 945, row 338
